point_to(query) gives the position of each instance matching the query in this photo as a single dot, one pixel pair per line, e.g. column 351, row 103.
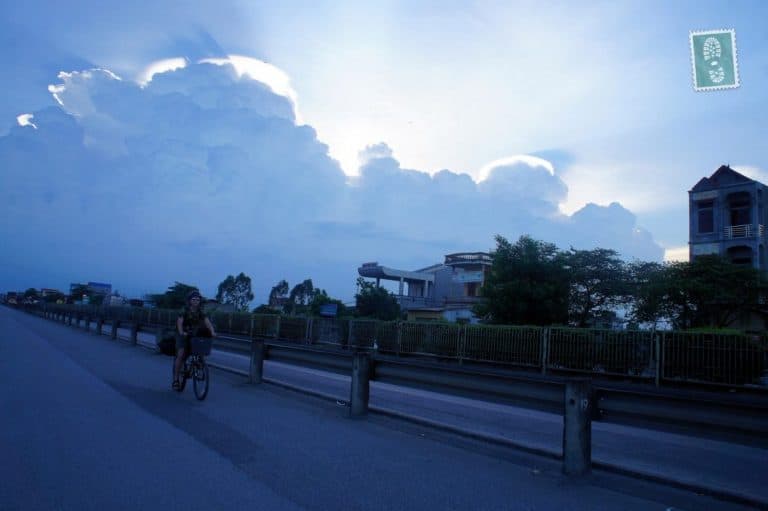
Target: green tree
column 528, row 283
column 77, row 292
column 375, row 301
column 300, row 297
column 710, row 291
column 54, row 297
column 321, row 298
column 175, row 297
column 648, row 284
column 236, row 291
column 31, row 293
column 264, row 309
column 278, row 294
column 599, row 283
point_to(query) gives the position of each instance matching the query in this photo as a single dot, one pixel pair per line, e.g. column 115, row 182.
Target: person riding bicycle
column 192, row 321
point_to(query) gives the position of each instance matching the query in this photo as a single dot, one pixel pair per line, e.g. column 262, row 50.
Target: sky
column 143, row 143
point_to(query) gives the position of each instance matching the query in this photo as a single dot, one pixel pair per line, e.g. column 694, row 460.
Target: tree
column 375, row 301
column 31, row 293
column 599, row 283
column 54, row 297
column 321, row 298
column 236, row 291
column 175, row 296
column 710, row 291
column 528, row 284
column 77, row 292
column 648, row 284
column 278, row 294
column 299, row 298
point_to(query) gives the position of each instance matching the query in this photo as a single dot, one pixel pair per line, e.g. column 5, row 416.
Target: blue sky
column 328, row 134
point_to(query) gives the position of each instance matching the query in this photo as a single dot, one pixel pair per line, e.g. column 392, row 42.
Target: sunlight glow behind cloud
column 531, row 161
column 272, row 76
column 161, row 66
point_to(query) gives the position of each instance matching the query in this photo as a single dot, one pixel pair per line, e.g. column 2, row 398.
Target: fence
column 707, row 358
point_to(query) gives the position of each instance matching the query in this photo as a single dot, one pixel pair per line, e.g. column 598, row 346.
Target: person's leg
column 180, row 355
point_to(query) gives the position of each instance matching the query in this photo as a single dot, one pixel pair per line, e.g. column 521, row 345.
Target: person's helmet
column 193, row 294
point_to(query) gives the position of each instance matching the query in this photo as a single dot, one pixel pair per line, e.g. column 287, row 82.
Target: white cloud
column 203, row 172
column 161, row 66
column 26, row 120
column 752, row 172
column 275, row 78
column 676, row 254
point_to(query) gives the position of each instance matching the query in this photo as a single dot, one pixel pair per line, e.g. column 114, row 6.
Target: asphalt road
column 90, row 423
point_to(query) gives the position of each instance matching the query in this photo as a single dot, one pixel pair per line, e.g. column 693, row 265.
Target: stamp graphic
column 713, row 56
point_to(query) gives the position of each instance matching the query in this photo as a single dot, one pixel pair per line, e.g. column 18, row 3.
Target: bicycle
column 196, row 368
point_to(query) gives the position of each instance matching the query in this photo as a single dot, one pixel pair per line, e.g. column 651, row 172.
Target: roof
column 722, row 177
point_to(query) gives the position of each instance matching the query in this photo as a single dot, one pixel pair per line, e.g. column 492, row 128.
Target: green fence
column 709, row 358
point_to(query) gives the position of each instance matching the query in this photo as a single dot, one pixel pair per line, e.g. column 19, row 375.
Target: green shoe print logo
column 713, row 56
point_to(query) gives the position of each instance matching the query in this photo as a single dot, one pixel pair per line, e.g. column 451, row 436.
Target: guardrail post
column 256, row 372
column 544, row 349
column 135, row 333
column 360, row 387
column 577, row 427
column 87, row 323
column 308, row 331
column 399, row 327
column 100, row 325
column 70, row 319
column 115, row 324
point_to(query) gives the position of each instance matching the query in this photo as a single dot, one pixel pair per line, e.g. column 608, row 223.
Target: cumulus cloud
column 204, row 171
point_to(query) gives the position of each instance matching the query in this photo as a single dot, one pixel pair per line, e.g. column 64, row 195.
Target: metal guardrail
column 579, row 400
column 658, row 357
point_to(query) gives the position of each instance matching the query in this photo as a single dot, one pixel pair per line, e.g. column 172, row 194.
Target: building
column 443, row 291
column 727, row 216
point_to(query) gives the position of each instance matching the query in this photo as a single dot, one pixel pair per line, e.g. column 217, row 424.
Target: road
column 91, row 423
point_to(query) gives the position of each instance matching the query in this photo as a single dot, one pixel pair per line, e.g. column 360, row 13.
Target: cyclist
column 191, row 321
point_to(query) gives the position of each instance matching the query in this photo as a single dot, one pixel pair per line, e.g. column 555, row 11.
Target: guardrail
column 579, row 400
column 659, row 357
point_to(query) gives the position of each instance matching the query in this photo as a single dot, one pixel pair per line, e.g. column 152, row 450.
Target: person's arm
column 210, row 326
column 180, row 325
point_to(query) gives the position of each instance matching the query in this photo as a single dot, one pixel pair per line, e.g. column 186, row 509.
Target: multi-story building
column 727, row 216
column 446, row 290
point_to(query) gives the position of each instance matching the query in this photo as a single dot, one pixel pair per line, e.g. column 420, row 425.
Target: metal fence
column 709, row 358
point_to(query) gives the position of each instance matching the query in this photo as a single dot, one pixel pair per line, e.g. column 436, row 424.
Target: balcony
column 744, row 231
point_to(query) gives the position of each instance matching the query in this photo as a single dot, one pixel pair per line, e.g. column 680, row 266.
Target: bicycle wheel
column 200, row 378
column 184, row 374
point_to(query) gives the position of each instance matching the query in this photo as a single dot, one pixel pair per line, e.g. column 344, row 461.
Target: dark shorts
column 182, row 342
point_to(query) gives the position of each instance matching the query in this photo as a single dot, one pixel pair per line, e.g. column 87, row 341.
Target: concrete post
column 258, row 351
column 577, row 427
column 100, row 325
column 70, row 319
column 360, row 388
column 87, row 323
column 544, row 349
column 115, row 324
column 135, row 333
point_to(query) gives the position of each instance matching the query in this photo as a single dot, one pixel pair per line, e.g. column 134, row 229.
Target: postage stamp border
column 736, row 83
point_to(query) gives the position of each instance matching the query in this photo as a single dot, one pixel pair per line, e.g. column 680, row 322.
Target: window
column 740, row 213
column 706, row 217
